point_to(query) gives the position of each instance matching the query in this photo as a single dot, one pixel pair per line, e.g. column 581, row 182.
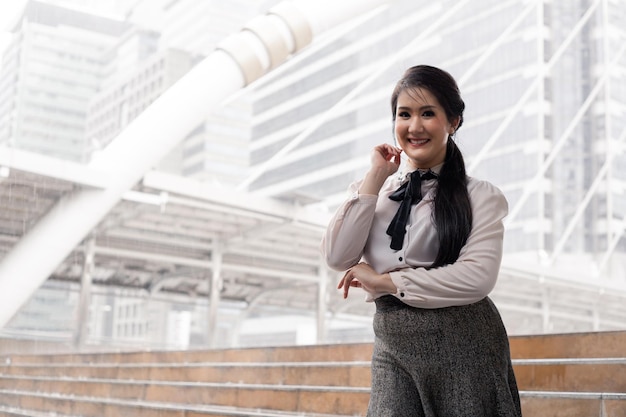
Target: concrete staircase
column 571, row 375
column 559, row 375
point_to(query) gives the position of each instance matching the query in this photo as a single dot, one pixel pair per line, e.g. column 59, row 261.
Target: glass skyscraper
column 545, row 94
column 51, row 70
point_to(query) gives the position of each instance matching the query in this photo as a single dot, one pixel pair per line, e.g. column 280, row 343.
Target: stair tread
column 227, row 410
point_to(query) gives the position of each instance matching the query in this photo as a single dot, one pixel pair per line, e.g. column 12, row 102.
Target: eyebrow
column 427, row 107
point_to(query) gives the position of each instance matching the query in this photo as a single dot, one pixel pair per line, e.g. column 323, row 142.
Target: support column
column 322, row 286
column 214, row 297
column 82, row 314
column 595, row 315
column 545, row 310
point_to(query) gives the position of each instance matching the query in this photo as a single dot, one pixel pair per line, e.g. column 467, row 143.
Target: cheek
column 399, row 128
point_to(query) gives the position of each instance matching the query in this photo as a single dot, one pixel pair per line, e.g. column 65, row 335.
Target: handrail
column 574, row 395
column 570, row 361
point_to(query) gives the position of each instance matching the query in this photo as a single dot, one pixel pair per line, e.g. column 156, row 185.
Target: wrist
column 387, row 284
column 373, row 181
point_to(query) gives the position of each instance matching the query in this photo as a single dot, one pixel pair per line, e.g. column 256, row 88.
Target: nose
column 415, row 125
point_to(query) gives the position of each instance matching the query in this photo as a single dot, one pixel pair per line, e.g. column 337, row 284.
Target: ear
column 454, row 123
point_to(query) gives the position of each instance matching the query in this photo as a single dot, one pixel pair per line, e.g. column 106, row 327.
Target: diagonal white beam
column 612, row 245
column 501, row 129
column 242, row 58
column 529, row 186
column 493, row 46
column 388, row 63
column 582, row 206
column 602, row 173
column 613, row 241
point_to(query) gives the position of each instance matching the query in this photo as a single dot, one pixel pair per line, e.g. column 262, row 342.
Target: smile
column 417, row 141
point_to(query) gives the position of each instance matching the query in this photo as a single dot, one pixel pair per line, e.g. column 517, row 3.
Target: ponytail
column 452, row 213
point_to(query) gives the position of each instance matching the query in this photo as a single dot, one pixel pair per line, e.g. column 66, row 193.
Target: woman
column 428, row 263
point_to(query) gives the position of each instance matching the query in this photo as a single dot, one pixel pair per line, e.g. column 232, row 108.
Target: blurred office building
column 51, row 70
column 166, row 40
column 543, row 83
column 217, row 150
column 544, row 88
column 72, row 79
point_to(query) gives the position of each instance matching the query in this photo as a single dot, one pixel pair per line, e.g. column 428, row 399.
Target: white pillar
column 322, row 286
column 242, row 58
column 82, row 313
column 214, row 297
column 545, row 310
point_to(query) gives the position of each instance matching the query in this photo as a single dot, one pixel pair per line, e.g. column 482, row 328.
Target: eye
column 404, row 114
column 428, row 113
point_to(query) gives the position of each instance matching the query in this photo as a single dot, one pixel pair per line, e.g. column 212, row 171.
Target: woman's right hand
column 385, row 162
column 386, row 158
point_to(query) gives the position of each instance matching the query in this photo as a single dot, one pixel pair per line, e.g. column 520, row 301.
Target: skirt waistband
column 390, row 303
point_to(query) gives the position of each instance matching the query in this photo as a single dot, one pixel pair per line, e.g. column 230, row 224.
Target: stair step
column 287, row 373
column 312, row 353
column 588, row 374
column 569, row 345
column 75, row 405
column 565, row 374
column 301, row 398
column 572, row 404
column 534, row 404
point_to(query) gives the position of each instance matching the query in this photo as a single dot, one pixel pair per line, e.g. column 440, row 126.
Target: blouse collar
column 404, row 174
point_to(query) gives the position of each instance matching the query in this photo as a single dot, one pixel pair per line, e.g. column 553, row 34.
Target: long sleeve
column 348, row 231
column 474, row 274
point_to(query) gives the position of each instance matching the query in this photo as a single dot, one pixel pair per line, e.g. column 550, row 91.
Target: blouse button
column 400, row 259
column 401, row 294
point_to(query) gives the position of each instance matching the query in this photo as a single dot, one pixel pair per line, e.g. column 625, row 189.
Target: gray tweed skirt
column 446, row 362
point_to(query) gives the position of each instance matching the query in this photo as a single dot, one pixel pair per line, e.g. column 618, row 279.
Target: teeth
column 418, row 141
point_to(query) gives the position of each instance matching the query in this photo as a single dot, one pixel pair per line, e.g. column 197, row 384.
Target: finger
column 390, row 152
column 347, row 283
column 394, row 155
column 345, row 277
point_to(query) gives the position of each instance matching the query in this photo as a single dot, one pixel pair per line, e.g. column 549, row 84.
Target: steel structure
column 263, row 44
column 176, row 237
column 117, row 223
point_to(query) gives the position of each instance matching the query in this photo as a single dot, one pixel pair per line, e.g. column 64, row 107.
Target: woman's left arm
column 474, row 274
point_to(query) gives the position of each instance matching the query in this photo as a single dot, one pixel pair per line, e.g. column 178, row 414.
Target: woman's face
column 422, row 128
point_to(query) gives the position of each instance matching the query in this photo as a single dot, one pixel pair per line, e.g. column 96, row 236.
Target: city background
column 217, row 244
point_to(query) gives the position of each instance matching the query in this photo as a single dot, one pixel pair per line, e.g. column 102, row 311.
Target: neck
column 412, row 167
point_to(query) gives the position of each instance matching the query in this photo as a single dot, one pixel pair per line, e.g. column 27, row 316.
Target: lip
column 417, row 141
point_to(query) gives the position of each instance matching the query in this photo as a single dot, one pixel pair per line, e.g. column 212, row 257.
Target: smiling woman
column 426, row 244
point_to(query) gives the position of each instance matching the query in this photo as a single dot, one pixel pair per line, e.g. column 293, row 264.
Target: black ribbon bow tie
column 408, row 194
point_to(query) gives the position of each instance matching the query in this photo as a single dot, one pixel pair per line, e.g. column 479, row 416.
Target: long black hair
column 452, row 211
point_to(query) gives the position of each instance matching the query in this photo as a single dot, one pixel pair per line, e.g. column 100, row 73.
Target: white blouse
column 358, row 232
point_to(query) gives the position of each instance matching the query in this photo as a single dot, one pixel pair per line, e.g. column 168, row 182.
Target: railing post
column 82, row 313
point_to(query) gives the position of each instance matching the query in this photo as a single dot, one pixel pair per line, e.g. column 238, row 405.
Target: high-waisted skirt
column 445, row 362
